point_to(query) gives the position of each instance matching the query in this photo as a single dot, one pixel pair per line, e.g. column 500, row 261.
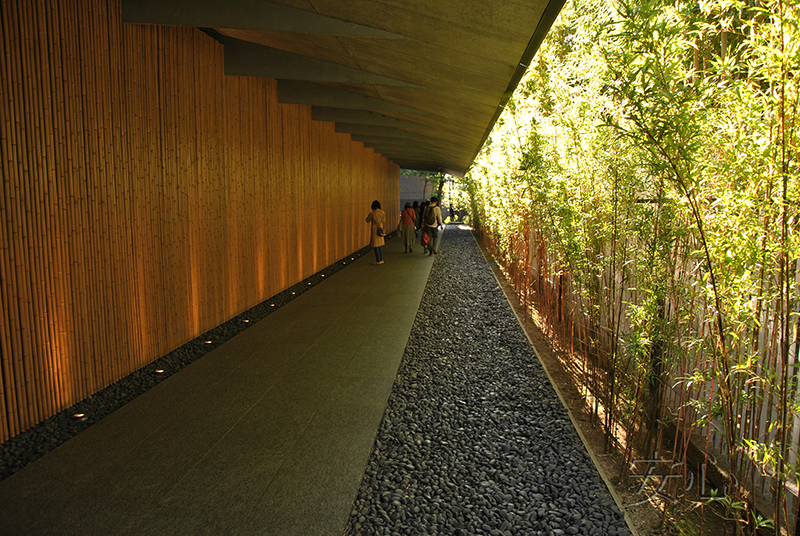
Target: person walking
column 418, row 219
column 421, row 226
column 432, row 220
column 408, row 218
column 377, row 230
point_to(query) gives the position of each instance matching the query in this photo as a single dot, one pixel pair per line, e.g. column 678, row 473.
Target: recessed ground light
column 159, row 371
column 272, row 305
column 245, row 320
column 209, row 342
column 292, row 293
column 309, row 283
column 79, row 415
column 323, row 275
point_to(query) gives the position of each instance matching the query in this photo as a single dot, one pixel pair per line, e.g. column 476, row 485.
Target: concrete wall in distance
column 413, row 188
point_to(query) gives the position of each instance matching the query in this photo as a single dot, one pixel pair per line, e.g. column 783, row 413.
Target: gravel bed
column 474, row 439
column 37, row 441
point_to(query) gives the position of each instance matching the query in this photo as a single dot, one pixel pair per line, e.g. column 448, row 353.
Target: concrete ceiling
column 420, row 81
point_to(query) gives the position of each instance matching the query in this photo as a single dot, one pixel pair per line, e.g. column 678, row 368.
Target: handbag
column 380, row 231
column 425, row 239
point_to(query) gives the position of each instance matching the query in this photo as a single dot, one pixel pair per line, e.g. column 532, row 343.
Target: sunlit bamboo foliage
column 641, row 192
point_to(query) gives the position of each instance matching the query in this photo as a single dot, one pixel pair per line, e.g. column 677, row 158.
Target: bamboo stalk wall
column 147, row 197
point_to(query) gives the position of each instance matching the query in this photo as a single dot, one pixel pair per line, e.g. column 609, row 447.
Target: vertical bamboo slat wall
column 147, row 197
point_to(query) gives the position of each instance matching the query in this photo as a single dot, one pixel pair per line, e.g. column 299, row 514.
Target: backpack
column 429, row 217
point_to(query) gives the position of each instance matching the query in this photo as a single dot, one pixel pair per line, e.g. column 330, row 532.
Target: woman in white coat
column 377, row 230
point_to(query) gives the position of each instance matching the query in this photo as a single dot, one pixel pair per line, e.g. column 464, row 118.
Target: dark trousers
column 433, row 232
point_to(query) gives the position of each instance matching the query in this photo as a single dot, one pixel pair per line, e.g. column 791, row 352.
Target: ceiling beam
column 244, row 15
column 362, row 117
column 300, row 92
column 380, row 131
column 400, row 155
column 389, row 141
column 421, row 166
column 243, row 58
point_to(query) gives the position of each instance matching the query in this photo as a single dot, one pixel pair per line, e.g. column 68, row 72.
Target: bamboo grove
column 641, row 193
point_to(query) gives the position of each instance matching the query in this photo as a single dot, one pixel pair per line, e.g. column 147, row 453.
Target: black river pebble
column 474, row 439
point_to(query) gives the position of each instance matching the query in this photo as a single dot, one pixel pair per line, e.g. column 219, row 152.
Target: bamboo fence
column 548, row 295
column 147, row 197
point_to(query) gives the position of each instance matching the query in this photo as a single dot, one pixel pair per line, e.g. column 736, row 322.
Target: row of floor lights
column 161, row 371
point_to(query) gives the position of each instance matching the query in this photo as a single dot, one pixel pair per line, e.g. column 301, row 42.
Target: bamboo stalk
column 11, row 424
column 68, row 124
column 120, row 358
column 60, row 192
column 155, row 208
column 30, row 212
column 96, row 284
column 97, row 197
column 134, row 40
column 17, row 255
column 51, row 251
column 114, row 359
column 23, row 364
column 78, row 210
column 86, row 243
column 145, row 258
column 31, row 218
column 6, row 387
column 36, row 221
column 124, row 134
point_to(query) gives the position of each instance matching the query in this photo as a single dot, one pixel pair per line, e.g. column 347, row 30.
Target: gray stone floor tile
column 269, row 433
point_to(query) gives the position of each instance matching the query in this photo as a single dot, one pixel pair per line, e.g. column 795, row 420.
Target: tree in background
column 433, row 179
column 455, row 193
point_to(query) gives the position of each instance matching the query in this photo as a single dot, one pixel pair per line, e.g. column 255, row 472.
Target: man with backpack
column 432, row 221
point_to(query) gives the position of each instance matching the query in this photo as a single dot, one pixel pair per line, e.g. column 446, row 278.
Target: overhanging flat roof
column 420, row 81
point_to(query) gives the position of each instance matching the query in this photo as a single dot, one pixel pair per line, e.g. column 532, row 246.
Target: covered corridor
column 167, row 165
